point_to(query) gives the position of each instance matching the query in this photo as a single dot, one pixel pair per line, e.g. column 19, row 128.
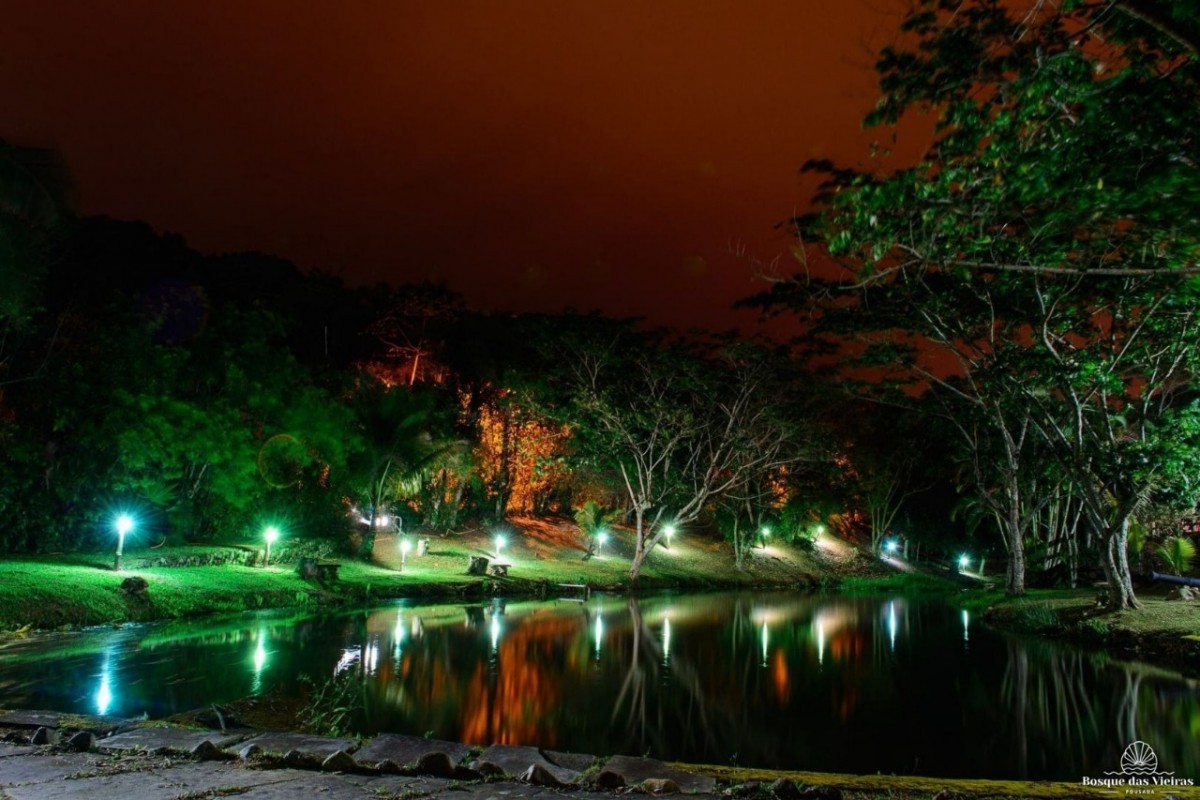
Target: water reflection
column 775, row 680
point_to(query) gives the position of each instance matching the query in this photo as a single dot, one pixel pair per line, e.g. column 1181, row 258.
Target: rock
column 437, row 764
column 341, row 761
column 606, row 779
column 297, row 759
column 216, row 717
column 82, row 742
column 488, row 770
column 207, row 751
column 659, row 786
column 946, row 794
column 135, row 586
column 42, row 735
column 784, row 789
column 1185, row 593
column 742, row 790
column 388, row 767
column 537, row 775
column 477, row 565
column 249, row 752
column 821, row 793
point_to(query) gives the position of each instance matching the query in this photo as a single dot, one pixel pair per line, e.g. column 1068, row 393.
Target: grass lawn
column 83, row 589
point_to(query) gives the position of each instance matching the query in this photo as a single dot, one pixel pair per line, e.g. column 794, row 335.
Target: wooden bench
column 500, row 570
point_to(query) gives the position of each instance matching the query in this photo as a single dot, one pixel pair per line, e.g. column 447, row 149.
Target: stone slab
column 398, row 785
column 43, row 769
column 30, row 719
column 514, row 760
column 577, row 762
column 177, row 740
column 308, row 784
column 635, row 770
column 7, row 749
column 316, row 748
column 406, row 750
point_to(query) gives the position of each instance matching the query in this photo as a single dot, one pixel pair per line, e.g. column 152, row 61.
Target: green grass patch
column 913, row 583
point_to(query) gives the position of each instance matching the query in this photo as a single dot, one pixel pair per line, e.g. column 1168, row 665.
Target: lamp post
column 270, row 534
column 601, row 538
column 669, row 531
column 124, row 526
column 963, row 562
column 499, row 544
column 405, row 546
column 890, row 546
column 765, row 533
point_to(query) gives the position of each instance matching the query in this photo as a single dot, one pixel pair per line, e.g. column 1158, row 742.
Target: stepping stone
column 30, row 719
column 579, row 762
column 170, row 740
column 302, row 748
column 635, row 770
column 7, row 749
column 406, row 751
column 515, row 760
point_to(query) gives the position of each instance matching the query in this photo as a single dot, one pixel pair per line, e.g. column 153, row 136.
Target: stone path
column 147, row 761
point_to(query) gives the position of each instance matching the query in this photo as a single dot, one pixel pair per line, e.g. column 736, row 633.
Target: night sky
column 533, row 155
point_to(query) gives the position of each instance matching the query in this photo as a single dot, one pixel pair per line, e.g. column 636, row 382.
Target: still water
column 771, row 680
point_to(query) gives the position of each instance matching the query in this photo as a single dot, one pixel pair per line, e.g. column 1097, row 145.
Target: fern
column 1178, row 552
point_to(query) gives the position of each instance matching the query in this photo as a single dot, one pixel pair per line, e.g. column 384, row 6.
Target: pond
column 775, row 680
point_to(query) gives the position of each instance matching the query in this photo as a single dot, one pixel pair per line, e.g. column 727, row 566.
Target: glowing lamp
column 765, row 533
column 124, row 525
column 891, row 546
column 669, row 531
column 499, row 545
column 963, row 561
column 405, row 547
column 271, row 535
column 601, row 538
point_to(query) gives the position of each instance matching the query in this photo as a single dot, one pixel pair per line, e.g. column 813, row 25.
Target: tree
column 680, row 426
column 1039, row 263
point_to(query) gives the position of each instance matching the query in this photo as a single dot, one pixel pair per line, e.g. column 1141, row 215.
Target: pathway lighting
column 669, row 531
column 963, row 561
column 601, row 538
column 765, row 533
column 124, row 525
column 891, row 546
column 405, row 546
column 271, row 535
column 499, row 544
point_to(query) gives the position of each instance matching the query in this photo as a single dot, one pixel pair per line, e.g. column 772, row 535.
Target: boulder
column 477, row 565
column 437, row 764
column 82, row 742
column 785, row 789
column 341, row 761
column 135, row 586
column 659, row 786
column 537, row 775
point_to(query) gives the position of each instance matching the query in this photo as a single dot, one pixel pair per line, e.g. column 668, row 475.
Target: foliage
column 332, row 705
column 1178, row 552
column 1027, row 273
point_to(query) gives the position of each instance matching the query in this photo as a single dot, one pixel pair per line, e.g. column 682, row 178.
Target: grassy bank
column 84, row 589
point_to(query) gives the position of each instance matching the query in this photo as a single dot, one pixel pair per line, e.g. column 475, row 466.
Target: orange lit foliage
column 520, row 455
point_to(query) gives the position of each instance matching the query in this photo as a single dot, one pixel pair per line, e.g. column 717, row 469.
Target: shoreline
column 89, row 756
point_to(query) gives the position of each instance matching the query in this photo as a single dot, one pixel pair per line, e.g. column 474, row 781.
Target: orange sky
column 533, row 154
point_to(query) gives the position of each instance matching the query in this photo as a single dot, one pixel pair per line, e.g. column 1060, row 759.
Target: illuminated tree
column 1037, row 269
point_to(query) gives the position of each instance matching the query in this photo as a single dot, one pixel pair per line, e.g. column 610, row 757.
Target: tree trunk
column 639, row 553
column 1014, row 584
column 1116, row 567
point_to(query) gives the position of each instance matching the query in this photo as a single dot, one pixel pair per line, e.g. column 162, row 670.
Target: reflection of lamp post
column 765, row 533
column 669, row 531
column 124, row 526
column 405, row 546
column 499, row 545
column 601, row 538
column 270, row 534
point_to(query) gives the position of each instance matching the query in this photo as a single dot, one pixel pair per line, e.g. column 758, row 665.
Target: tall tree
column 1045, row 246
